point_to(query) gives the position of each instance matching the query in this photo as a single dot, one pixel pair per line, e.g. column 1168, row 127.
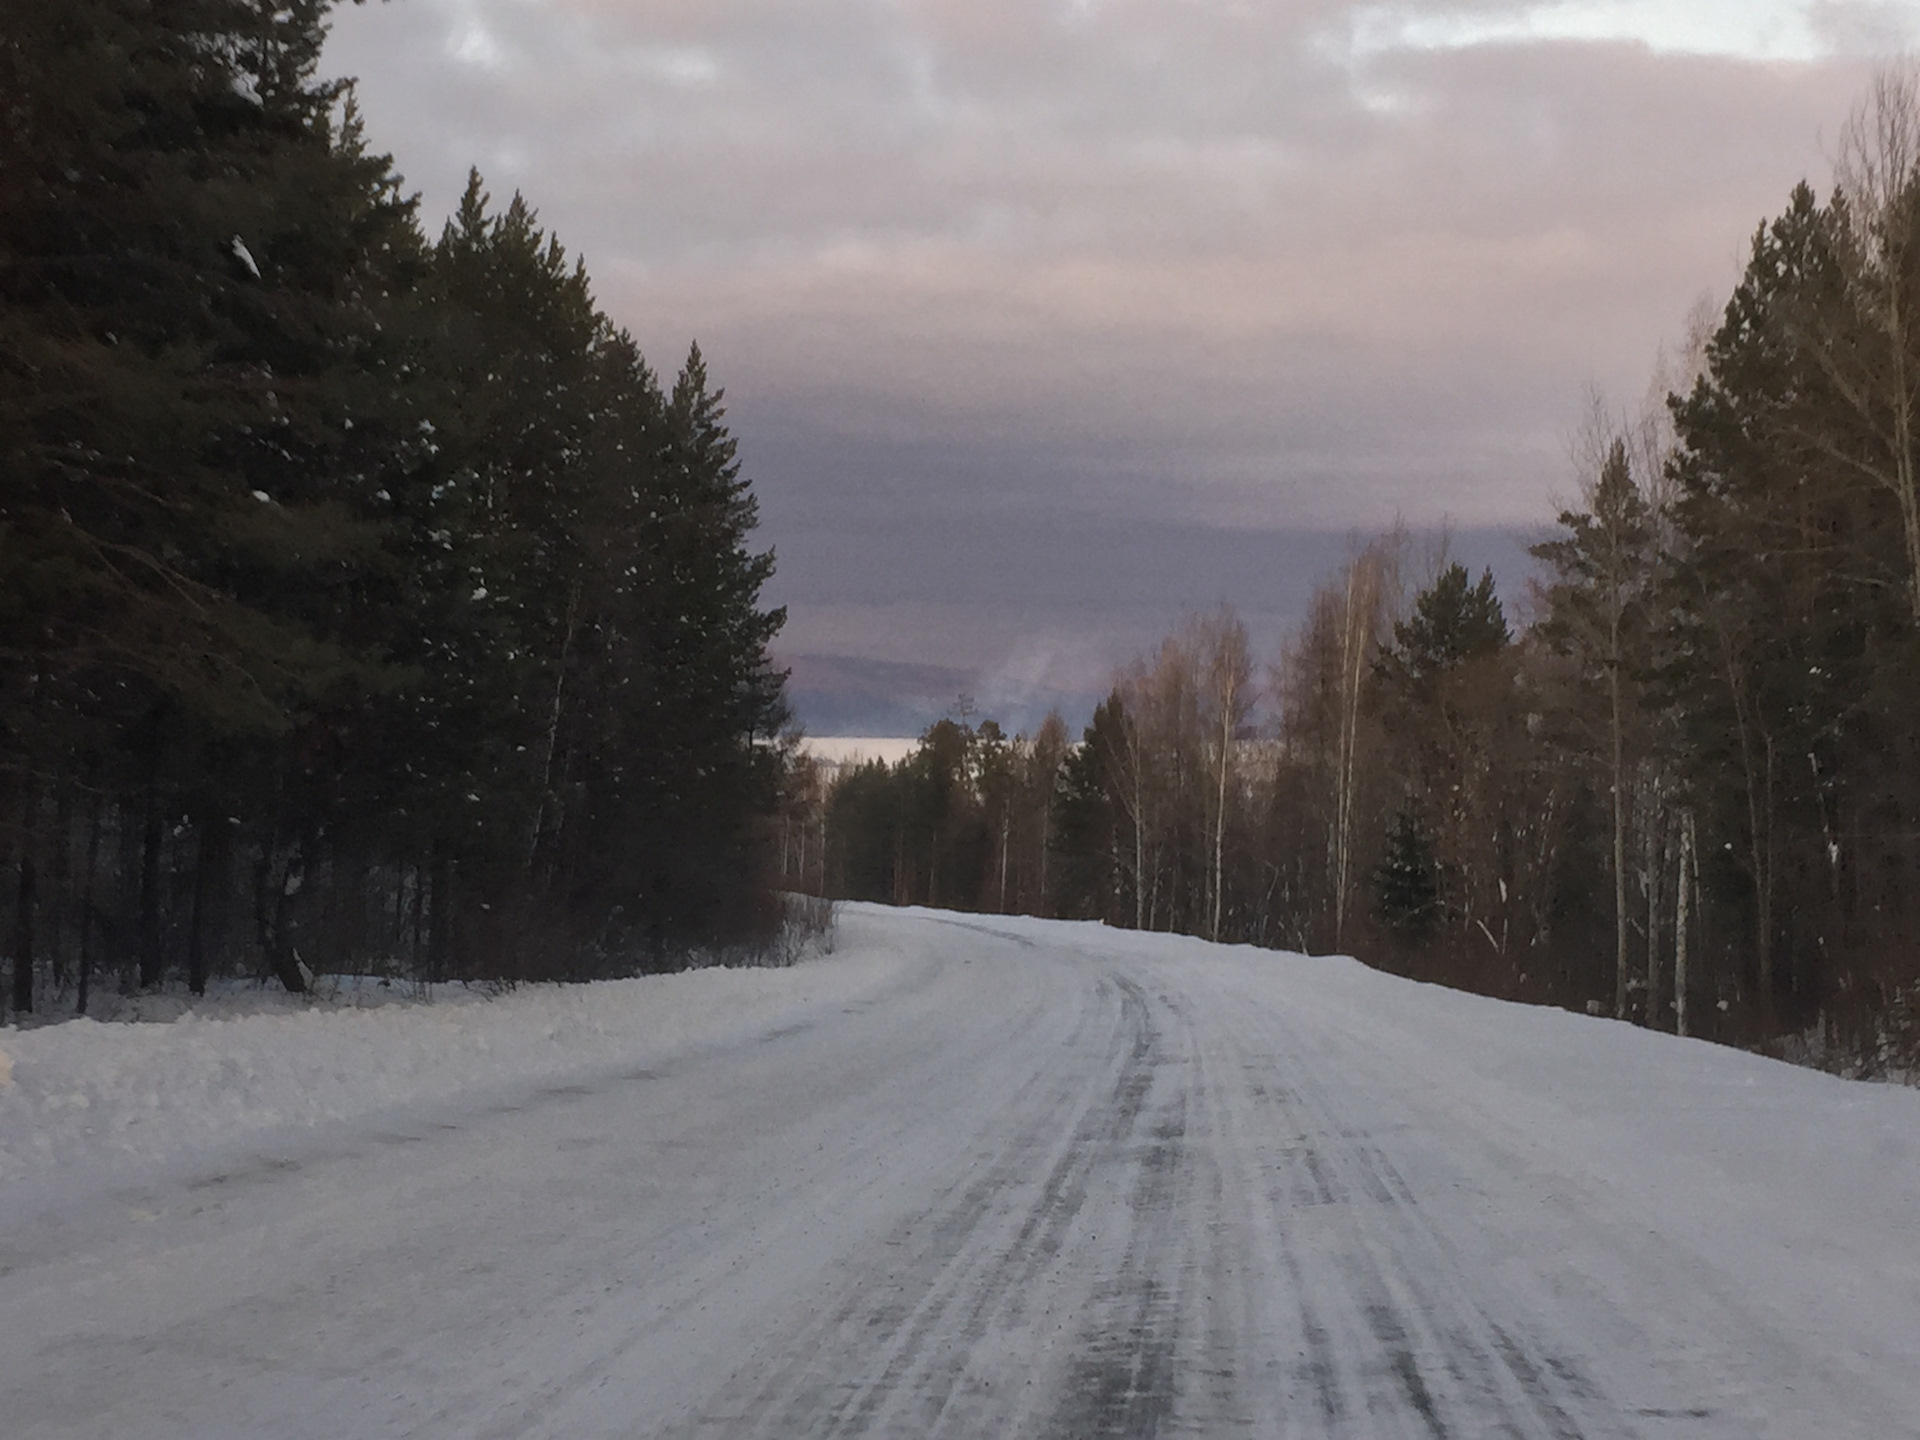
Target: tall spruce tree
column 1776, row 606
column 1602, row 573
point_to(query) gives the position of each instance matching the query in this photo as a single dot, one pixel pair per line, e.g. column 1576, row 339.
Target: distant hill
column 846, row 695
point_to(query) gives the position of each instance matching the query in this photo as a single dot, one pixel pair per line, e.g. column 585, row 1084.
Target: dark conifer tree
column 1407, row 885
column 1785, row 600
column 1454, row 621
column 1447, row 688
column 1602, row 577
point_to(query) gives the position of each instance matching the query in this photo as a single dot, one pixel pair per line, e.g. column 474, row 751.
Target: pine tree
column 1406, row 885
column 1102, row 842
column 703, row 698
column 1447, row 690
column 1782, row 605
column 1454, row 621
column 1603, row 569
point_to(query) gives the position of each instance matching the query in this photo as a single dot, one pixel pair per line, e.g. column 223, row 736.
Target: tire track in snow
column 1297, row 1287
column 1397, row 1337
column 1123, row 1380
column 892, row 1355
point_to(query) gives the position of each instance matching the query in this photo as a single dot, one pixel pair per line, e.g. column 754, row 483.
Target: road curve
column 1053, row 1183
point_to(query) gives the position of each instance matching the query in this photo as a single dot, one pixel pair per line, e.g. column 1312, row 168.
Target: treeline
column 1687, row 793
column 365, row 598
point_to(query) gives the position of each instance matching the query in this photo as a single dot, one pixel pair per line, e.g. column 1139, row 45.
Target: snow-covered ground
column 967, row 1177
column 253, row 1060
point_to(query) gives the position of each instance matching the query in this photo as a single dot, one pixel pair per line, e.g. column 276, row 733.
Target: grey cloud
column 1178, row 267
column 1866, row 27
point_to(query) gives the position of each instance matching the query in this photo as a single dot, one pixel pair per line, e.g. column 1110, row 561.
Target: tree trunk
column 1763, row 883
column 1046, row 843
column 1619, row 851
column 56, row 912
column 1353, row 649
column 277, row 925
column 1682, row 914
column 440, row 915
column 417, row 910
column 27, row 899
column 151, row 837
column 551, row 746
column 1139, row 840
column 1651, row 869
column 1907, row 490
column 209, row 866
column 83, row 981
column 1006, row 825
column 1220, row 813
column 1759, row 798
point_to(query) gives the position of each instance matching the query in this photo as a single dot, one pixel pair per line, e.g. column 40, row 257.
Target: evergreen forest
column 366, row 599
column 1677, row 781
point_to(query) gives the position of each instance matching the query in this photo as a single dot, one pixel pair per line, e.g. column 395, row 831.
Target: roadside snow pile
column 232, row 999
column 88, row 1090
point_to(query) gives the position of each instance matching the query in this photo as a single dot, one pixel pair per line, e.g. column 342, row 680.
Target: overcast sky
column 1040, row 321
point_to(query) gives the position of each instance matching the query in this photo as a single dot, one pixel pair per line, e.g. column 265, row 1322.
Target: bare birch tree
column 1225, row 670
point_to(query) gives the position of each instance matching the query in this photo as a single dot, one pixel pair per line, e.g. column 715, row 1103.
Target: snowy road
column 1048, row 1181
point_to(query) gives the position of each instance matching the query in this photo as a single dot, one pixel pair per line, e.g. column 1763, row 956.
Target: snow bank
column 1712, row 1143
column 89, row 1090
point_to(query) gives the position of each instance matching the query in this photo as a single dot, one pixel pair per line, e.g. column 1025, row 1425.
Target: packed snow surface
column 87, row 1091
column 967, row 1177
